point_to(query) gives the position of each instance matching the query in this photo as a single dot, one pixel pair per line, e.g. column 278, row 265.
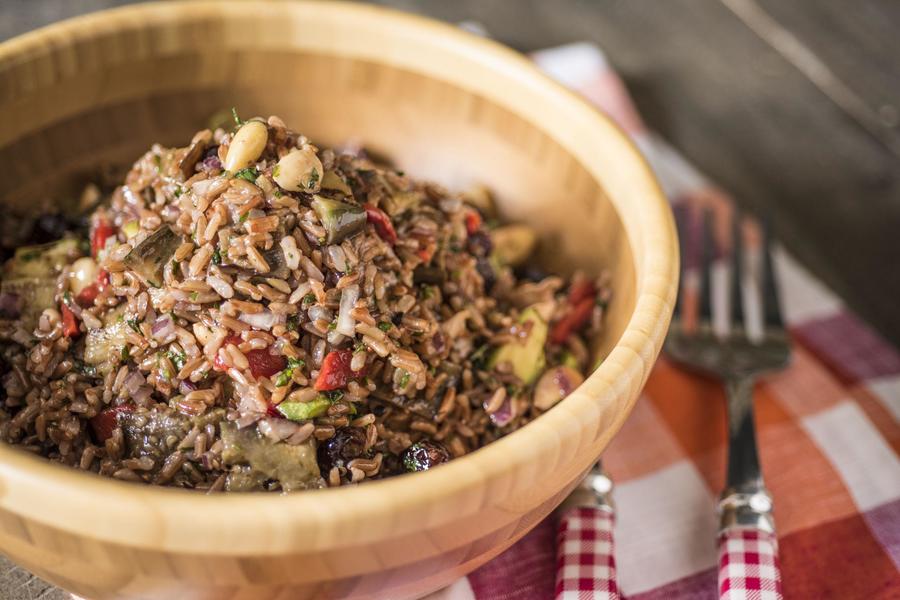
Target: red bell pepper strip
column 335, row 372
column 575, row 319
column 102, row 231
column 262, row 363
column 473, row 221
column 382, row 223
column 70, row 325
column 105, row 422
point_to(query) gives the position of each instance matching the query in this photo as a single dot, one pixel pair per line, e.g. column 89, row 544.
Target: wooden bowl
column 442, row 104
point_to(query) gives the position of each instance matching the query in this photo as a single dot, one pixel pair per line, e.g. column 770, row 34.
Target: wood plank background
column 792, row 106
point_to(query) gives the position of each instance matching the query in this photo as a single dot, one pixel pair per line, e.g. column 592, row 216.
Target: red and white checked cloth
column 829, row 431
column 585, row 563
column 748, row 566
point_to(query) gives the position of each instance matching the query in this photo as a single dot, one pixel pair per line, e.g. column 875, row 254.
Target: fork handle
column 748, row 547
column 748, row 565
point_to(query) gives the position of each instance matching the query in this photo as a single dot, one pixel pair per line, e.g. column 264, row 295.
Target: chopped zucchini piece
column 103, row 347
column 149, row 258
column 513, row 244
column 526, row 356
column 340, row 219
column 401, row 202
column 301, row 411
column 45, row 260
column 333, row 181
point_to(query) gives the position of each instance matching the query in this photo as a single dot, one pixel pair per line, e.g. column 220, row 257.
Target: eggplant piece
column 401, row 202
column 340, row 219
column 32, row 296
column 513, row 244
column 429, row 274
column 332, row 181
column 149, row 258
column 260, row 459
column 103, row 347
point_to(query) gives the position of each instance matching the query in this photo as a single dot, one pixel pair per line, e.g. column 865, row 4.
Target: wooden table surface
column 792, row 106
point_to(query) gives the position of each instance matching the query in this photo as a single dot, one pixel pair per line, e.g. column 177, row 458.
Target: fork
column 737, row 349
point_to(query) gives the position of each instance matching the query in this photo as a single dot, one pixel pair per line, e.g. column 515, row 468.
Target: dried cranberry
column 479, row 243
column 486, row 270
column 424, row 455
column 346, row 444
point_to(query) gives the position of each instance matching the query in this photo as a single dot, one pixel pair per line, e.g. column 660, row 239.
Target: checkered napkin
column 585, row 562
column 828, row 428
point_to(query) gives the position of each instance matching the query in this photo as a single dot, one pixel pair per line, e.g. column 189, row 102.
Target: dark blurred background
column 792, row 106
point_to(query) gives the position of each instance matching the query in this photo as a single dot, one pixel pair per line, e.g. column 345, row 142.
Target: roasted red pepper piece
column 575, row 319
column 70, row 324
column 382, row 223
column 473, row 221
column 581, row 289
column 85, row 297
column 102, row 231
column 335, row 372
column 262, row 363
column 105, row 422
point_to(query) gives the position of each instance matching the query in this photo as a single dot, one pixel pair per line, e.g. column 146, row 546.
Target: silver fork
column 736, row 353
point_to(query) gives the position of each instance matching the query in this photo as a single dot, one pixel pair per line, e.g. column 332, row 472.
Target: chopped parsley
column 309, row 298
column 428, row 292
column 385, row 326
column 404, row 379
column 332, row 326
column 178, row 191
column 194, row 296
column 85, row 369
column 477, row 357
column 244, row 217
column 285, row 376
column 276, row 171
column 237, row 120
column 217, row 257
column 157, row 160
column 124, row 356
column 313, row 179
column 135, row 324
column 178, row 358
column 277, row 193
column 359, row 347
column 249, row 174
column 333, row 395
column 293, row 323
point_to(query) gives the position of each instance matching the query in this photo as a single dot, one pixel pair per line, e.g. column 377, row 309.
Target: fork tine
column 707, row 257
column 771, row 305
column 737, row 273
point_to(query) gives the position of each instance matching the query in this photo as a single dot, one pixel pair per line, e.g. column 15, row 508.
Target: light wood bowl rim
column 180, row 515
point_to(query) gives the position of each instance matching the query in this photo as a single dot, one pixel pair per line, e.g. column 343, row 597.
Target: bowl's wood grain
column 443, row 105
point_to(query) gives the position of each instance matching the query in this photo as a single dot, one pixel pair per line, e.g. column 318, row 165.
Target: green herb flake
column 428, row 292
column 79, row 366
column 135, row 324
column 285, row 376
column 313, row 179
column 194, row 296
column 217, row 257
column 178, row 191
column 249, row 174
column 385, row 326
column 404, row 379
column 293, row 323
column 276, row 171
column 157, row 160
column 334, row 395
column 309, row 298
column 124, row 356
column 332, row 326
column 244, row 217
column 237, row 120
column 277, row 194
column 178, row 358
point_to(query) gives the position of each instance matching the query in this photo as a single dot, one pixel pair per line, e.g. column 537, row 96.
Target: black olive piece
column 48, row 228
column 346, row 444
column 424, row 455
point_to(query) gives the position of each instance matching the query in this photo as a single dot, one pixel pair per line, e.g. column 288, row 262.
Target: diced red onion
column 277, row 429
column 141, row 395
column 261, row 320
column 133, row 381
column 186, row 386
column 163, row 328
column 346, row 324
column 503, row 415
